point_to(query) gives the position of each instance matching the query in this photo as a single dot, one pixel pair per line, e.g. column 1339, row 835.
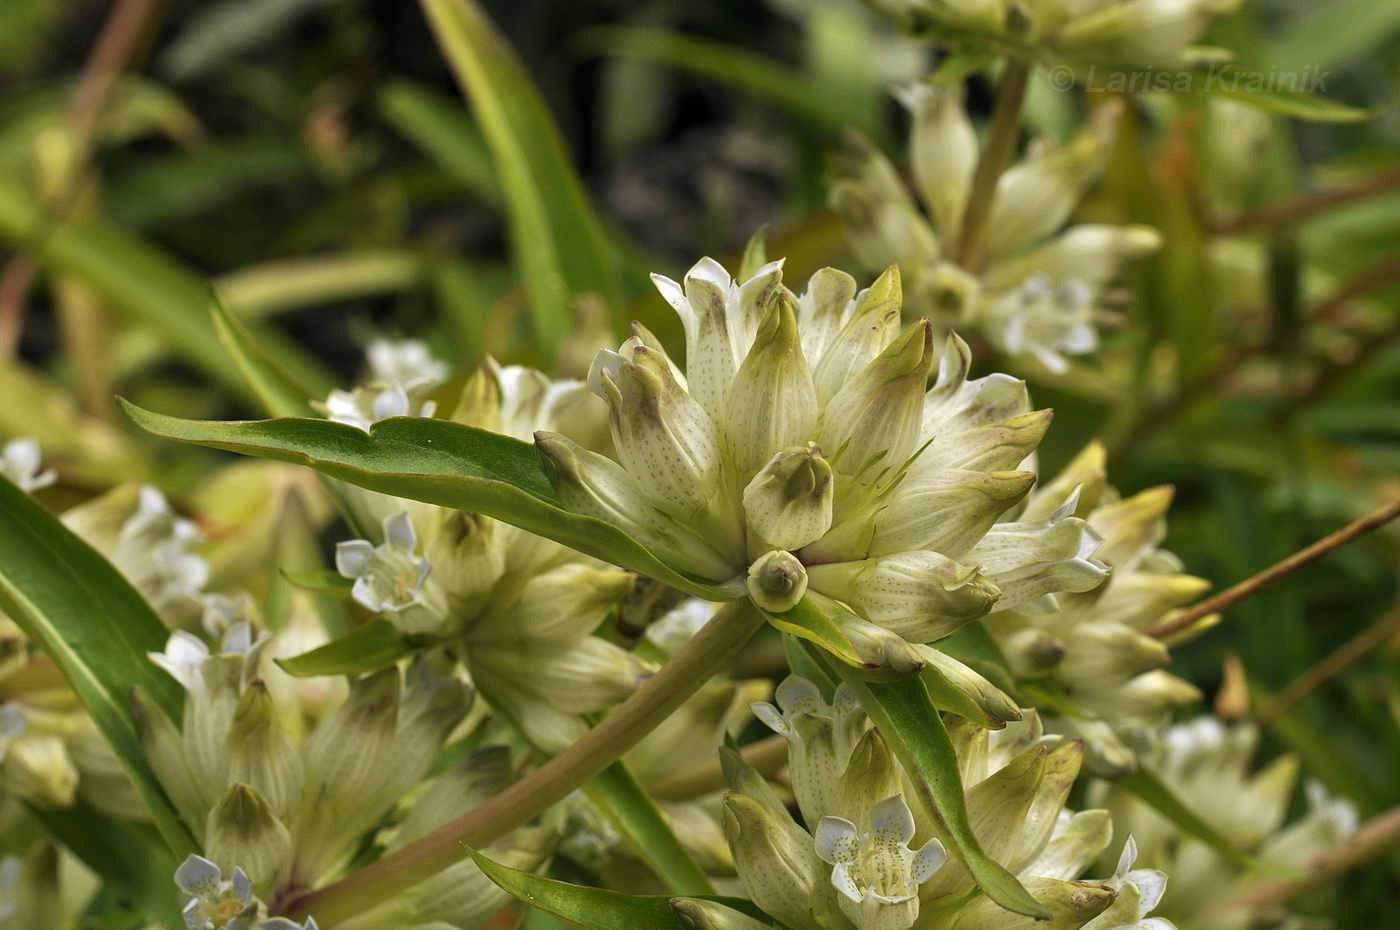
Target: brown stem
column 1306, row 206
column 121, row 34
column 1330, row 667
column 717, row 642
column 1377, row 836
column 1269, row 576
column 1002, row 135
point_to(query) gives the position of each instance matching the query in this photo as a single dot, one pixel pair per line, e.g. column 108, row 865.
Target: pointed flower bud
column 788, row 504
column 922, row 596
column 774, row 859
column 942, row 151
column 876, row 874
column 869, row 328
column 260, row 754
column 243, row 829
column 772, row 403
column 665, row 440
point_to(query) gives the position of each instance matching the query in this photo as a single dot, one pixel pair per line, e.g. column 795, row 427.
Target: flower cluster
column 521, row 609
column 1030, row 286
column 803, row 453
column 1212, row 765
column 857, row 867
column 1090, row 650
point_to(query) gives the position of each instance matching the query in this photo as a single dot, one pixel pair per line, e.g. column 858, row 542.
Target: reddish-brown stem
column 1308, row 205
column 1275, row 573
column 1377, row 836
column 121, row 35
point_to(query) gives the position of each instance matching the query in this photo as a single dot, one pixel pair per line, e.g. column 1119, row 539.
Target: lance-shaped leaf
column 368, row 649
column 556, row 237
column 628, row 805
column 96, row 628
column 435, row 461
column 907, row 718
column 598, row 908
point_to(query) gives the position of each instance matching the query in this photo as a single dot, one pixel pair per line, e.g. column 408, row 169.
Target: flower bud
column 883, row 226
column 922, row 596
column 777, row 581
column 823, row 310
column 243, row 829
column 261, row 756
column 942, row 151
column 1071, row 904
column 774, row 859
column 947, row 510
column 873, row 325
column 699, row 914
column 1029, row 560
column 37, row 768
column 873, row 422
column 595, row 486
column 665, row 440
column 788, row 504
column 772, row 403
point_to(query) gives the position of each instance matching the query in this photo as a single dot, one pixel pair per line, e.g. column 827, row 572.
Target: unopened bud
column 777, row 581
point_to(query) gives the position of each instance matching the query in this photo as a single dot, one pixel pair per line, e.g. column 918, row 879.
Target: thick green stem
column 716, row 643
column 1003, row 132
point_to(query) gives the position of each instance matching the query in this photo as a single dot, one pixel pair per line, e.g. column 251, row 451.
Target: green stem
column 997, row 150
column 716, row 643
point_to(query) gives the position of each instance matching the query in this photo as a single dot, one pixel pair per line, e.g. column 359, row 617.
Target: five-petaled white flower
column 215, row 904
column 877, row 874
column 391, row 578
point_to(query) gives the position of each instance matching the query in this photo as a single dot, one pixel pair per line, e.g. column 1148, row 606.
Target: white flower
column 402, row 376
column 215, row 904
column 391, row 578
column 877, row 874
column 19, row 462
column 282, row 923
column 408, row 363
column 1139, row 893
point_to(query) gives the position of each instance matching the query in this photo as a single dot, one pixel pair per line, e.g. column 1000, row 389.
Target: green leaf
column 804, row 97
column 597, row 908
column 144, row 285
column 1296, row 104
column 279, row 391
column 96, row 628
column 371, row 647
column 445, row 132
column 1151, row 790
column 320, row 580
column 806, row 622
column 119, row 856
column 556, row 237
column 628, row 805
column 906, row 717
column 1325, row 35
column 434, row 461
